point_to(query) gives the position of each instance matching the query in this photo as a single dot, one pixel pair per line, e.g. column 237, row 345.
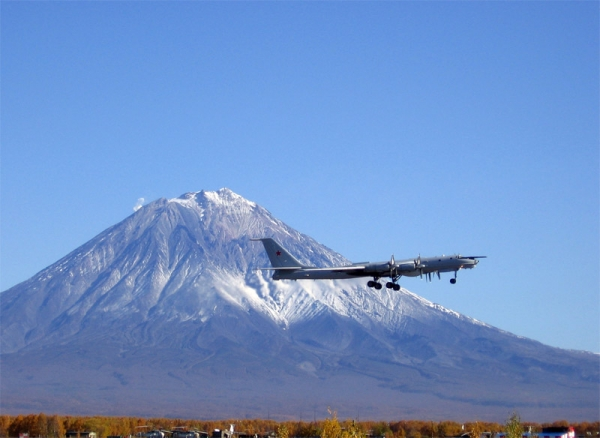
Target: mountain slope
column 164, row 312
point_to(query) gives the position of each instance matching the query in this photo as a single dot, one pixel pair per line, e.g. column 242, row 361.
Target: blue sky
column 374, row 127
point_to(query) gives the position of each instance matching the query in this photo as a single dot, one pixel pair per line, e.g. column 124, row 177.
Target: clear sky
column 377, row 128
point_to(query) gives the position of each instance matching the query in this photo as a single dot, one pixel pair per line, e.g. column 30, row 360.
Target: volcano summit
column 164, row 314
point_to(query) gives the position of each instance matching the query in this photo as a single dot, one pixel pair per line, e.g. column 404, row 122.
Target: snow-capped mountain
column 165, row 314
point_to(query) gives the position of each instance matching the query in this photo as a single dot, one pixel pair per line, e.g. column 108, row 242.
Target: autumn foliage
column 55, row 426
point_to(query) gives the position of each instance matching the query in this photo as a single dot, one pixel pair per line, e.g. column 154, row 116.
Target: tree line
column 56, row 426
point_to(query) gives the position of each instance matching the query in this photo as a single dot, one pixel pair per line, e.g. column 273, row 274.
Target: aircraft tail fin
column 278, row 256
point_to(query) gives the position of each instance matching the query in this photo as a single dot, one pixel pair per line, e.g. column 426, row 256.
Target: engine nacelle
column 376, row 268
column 406, row 267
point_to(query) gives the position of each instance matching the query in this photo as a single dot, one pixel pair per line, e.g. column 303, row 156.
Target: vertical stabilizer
column 278, row 256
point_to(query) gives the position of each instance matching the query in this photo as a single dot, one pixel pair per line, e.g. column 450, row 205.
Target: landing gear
column 453, row 280
column 375, row 284
column 391, row 285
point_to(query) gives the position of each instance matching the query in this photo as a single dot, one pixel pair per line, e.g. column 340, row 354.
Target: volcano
column 165, row 314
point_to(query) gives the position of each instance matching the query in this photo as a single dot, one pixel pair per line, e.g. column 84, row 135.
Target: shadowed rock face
column 164, row 314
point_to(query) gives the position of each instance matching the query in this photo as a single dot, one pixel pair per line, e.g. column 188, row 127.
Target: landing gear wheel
column 453, row 280
column 396, row 287
column 378, row 286
column 389, row 285
column 371, row 283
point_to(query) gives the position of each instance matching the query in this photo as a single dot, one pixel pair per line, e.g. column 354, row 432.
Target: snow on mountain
column 169, row 302
column 159, row 260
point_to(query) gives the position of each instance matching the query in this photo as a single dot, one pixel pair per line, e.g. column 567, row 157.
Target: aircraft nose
column 469, row 262
column 472, row 261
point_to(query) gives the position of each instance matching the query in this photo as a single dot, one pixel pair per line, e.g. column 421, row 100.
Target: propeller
column 419, row 266
column 392, row 265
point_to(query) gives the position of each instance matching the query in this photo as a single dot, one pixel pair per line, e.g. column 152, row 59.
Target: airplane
column 287, row 267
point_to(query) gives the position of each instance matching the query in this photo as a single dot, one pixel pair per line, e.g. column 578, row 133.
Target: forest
column 56, row 426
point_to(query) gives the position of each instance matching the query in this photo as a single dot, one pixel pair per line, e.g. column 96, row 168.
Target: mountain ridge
column 179, row 276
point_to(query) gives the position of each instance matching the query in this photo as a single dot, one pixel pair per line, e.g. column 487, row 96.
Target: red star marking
column 278, row 253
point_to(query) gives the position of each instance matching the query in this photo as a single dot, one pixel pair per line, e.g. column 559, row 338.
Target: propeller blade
column 392, row 265
column 417, row 262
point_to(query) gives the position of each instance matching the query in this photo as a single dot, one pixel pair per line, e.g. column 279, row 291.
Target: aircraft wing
column 307, row 273
column 303, row 269
column 283, row 268
column 336, row 269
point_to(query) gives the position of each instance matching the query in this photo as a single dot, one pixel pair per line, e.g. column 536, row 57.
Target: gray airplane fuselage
column 287, row 267
column 405, row 268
